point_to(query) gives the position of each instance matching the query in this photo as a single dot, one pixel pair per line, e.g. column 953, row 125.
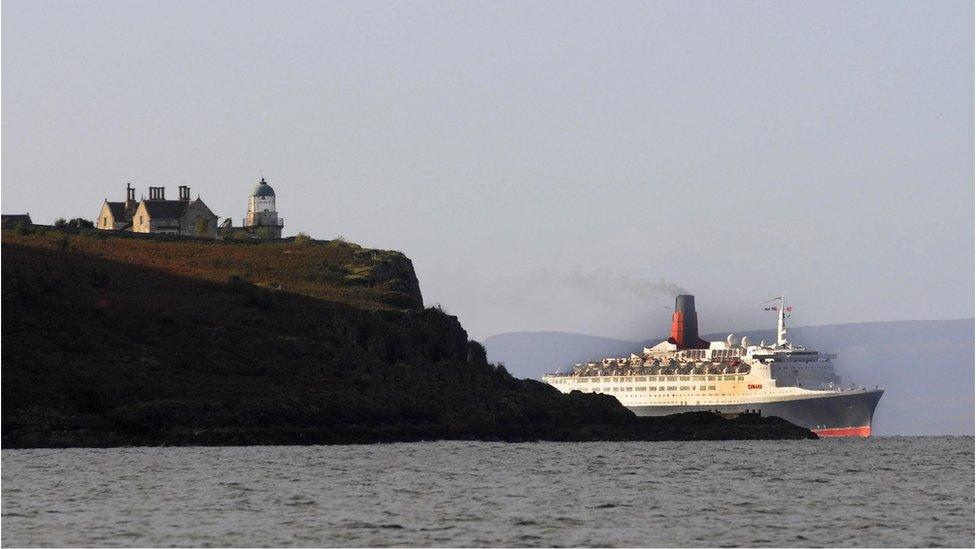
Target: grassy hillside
column 117, row 341
column 335, row 271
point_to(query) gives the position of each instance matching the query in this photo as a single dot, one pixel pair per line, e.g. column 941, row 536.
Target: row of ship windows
column 710, row 396
column 697, row 402
column 704, row 354
column 630, row 389
column 651, row 378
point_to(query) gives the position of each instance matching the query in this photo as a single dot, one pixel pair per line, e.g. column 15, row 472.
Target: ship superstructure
column 686, row 373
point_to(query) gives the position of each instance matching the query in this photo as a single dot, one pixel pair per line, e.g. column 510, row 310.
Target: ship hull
column 833, row 414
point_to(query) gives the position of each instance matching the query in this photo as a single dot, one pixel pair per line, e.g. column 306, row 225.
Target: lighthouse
column 262, row 214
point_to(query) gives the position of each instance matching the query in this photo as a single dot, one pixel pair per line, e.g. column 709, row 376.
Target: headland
column 114, row 339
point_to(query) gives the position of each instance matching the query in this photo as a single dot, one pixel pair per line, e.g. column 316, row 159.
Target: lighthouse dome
column 262, row 189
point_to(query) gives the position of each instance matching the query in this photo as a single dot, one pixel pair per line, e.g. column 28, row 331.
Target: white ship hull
column 827, row 413
column 832, row 412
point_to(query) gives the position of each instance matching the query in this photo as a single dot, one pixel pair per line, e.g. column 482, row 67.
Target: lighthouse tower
column 262, row 214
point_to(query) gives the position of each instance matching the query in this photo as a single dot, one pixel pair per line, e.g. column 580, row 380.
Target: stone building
column 117, row 216
column 157, row 215
column 12, row 221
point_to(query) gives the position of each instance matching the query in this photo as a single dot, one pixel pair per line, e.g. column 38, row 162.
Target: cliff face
column 391, row 270
column 120, row 341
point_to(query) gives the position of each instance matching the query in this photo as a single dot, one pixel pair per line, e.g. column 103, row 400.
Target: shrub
column 23, row 229
column 253, row 295
column 202, row 227
column 79, row 223
column 99, row 278
column 302, row 238
column 63, row 242
column 236, row 281
column 340, row 242
column 266, row 232
column 238, row 236
column 328, row 271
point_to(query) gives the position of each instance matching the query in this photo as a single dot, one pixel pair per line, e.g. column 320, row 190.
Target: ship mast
column 781, row 340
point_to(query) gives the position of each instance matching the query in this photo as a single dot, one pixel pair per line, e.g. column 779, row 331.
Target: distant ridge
column 926, row 366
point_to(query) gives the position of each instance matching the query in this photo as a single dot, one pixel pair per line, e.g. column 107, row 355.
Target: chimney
column 157, row 193
column 130, row 195
column 684, row 323
column 184, row 192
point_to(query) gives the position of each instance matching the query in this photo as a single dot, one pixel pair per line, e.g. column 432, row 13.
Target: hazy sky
column 547, row 166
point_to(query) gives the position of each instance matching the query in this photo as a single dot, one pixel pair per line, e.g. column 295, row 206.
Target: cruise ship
column 686, row 373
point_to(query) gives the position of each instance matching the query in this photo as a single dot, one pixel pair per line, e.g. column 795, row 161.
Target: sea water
column 874, row 492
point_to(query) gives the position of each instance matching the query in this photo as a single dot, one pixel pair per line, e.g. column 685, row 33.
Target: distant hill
column 926, row 367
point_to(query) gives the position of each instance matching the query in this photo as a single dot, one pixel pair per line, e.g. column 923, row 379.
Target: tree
column 73, row 226
column 476, row 353
column 79, row 223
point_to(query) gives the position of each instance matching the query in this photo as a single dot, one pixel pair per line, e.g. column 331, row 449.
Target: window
column 140, row 220
column 104, row 222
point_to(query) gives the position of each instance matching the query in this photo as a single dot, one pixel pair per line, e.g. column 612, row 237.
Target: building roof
column 117, row 209
column 10, row 221
column 166, row 209
column 262, row 189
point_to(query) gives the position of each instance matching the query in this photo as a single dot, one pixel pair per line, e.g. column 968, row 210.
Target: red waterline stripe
column 863, row 432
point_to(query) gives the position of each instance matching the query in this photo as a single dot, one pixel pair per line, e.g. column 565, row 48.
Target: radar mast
column 781, row 340
column 781, row 310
